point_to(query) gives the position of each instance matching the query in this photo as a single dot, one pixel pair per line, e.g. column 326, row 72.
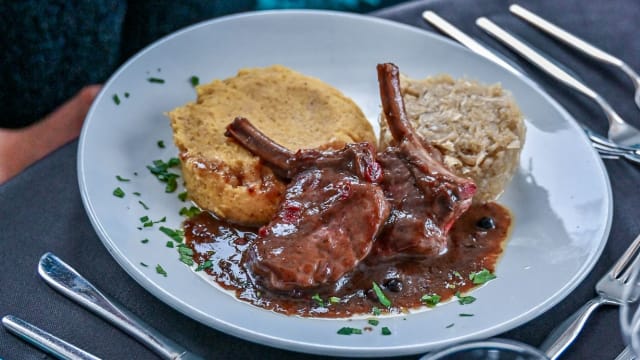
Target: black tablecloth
column 41, row 209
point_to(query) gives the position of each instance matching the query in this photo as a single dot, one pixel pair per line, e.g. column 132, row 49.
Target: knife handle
column 44, row 340
column 66, row 280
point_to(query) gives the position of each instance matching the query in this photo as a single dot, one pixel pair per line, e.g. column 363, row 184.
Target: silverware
column 578, row 44
column 610, row 290
column 449, row 29
column 619, row 132
column 626, row 354
column 66, row 280
column 606, row 148
column 44, row 340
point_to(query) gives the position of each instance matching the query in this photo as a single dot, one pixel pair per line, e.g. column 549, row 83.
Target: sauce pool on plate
column 475, row 243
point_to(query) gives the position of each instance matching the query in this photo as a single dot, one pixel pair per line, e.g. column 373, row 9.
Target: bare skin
column 20, row 148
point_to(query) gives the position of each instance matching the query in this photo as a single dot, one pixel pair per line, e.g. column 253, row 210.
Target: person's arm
column 22, row 147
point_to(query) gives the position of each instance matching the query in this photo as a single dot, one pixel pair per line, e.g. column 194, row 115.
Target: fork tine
column 626, row 258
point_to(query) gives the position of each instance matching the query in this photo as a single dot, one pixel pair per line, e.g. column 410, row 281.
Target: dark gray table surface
column 41, row 209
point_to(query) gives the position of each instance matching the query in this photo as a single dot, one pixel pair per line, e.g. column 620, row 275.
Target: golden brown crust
column 294, row 110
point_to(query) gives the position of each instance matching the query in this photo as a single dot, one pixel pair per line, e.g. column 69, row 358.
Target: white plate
column 561, row 197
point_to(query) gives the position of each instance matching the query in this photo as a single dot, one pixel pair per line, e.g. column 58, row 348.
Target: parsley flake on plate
column 155, row 80
column 349, row 331
column 464, row 300
column 481, row 276
column 205, row 265
column 160, row 270
column 118, row 192
column 194, row 80
column 381, row 296
column 175, row 235
column 189, row 212
column 430, row 300
column 318, row 300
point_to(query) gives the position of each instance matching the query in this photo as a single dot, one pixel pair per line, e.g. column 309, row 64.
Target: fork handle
column 563, row 336
column 574, row 41
column 66, row 280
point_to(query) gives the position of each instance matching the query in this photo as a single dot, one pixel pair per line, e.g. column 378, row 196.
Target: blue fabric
column 51, row 49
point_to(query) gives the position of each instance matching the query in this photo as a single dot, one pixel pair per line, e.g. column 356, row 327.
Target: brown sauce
column 471, row 248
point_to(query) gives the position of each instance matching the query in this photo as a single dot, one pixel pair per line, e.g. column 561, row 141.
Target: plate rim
column 296, row 345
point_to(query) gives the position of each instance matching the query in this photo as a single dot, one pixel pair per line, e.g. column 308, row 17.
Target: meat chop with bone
column 341, row 204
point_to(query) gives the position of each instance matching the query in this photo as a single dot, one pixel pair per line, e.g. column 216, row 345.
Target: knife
column 66, row 280
column 44, row 340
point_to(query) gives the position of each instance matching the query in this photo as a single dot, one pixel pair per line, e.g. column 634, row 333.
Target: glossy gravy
column 475, row 243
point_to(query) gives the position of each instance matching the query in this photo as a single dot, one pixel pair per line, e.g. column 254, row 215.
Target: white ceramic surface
column 561, row 197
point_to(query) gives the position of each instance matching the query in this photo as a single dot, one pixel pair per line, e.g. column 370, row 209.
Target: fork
column 578, row 44
column 619, row 132
column 70, row 283
column 611, row 291
column 605, row 147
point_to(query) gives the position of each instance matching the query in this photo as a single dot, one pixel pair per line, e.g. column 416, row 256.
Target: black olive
column 486, row 223
column 394, row 285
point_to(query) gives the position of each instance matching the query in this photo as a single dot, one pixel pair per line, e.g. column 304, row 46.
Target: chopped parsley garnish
column 144, row 241
column 457, row 274
column 375, row 311
column 481, row 277
column 430, row 300
column 169, row 244
column 373, row 322
column 334, row 299
column 465, row 315
column 205, row 265
column 144, row 206
column 349, row 331
column 126, row 95
column 182, row 196
column 450, row 325
column 189, row 212
column 136, row 193
column 143, row 264
column 160, row 144
column 464, row 300
column 175, row 235
column 161, row 171
column 118, row 192
column 149, row 223
column 318, row 300
column 186, row 254
column 381, row 296
column 385, row 331
column 160, row 270
column 194, row 80
column 116, row 99
column 155, row 80
column 120, row 178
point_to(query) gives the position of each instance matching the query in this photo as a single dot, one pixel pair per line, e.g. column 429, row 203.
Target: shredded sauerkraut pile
column 478, row 128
